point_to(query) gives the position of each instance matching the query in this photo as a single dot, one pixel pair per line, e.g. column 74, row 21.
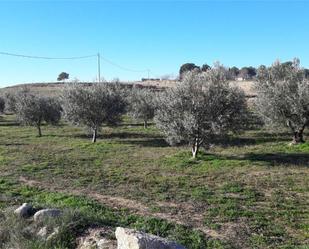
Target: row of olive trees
column 197, row 111
column 204, row 106
column 88, row 106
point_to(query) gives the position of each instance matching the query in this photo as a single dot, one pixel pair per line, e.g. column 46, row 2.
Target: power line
column 75, row 58
column 121, row 67
column 100, row 58
column 48, row 58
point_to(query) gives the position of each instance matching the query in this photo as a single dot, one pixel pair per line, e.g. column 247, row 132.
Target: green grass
column 253, row 192
column 92, row 213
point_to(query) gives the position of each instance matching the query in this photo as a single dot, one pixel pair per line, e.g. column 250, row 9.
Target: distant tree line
column 234, row 72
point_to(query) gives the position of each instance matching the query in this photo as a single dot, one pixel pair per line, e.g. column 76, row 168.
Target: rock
column 131, row 239
column 53, row 234
column 98, row 244
column 45, row 213
column 24, row 210
column 87, row 244
column 48, row 233
column 96, row 238
column 106, row 244
column 42, row 233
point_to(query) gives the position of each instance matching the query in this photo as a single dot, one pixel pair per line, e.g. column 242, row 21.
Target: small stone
column 24, row 210
column 42, row 232
column 106, row 244
column 53, row 234
column 95, row 238
column 46, row 213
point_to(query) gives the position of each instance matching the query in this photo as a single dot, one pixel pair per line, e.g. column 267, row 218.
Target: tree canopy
column 205, row 67
column 283, row 97
column 33, row 110
column 142, row 104
column 248, row 72
column 187, row 67
column 63, row 76
column 91, row 106
column 202, row 107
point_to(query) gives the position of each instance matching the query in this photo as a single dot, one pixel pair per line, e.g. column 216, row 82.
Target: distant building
column 150, row 79
column 240, row 79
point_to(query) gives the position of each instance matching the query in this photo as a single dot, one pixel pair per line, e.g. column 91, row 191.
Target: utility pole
column 99, row 68
column 148, row 71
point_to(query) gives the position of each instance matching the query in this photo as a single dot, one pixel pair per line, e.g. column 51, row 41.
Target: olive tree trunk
column 297, row 133
column 94, row 135
column 145, row 124
column 39, row 130
column 298, row 137
column 195, row 147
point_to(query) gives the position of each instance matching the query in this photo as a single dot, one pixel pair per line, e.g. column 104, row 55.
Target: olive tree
column 11, row 96
column 92, row 106
column 201, row 108
column 2, row 104
column 142, row 105
column 11, row 99
column 283, row 97
column 33, row 110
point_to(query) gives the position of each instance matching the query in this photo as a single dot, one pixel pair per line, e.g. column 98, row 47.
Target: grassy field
column 253, row 192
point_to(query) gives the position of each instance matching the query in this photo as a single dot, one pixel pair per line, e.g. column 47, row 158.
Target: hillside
column 54, row 88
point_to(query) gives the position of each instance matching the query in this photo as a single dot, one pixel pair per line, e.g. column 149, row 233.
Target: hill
column 54, row 88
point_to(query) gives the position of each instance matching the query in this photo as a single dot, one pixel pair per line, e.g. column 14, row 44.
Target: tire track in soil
column 186, row 214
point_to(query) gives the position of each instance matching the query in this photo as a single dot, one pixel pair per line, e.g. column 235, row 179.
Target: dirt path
column 180, row 213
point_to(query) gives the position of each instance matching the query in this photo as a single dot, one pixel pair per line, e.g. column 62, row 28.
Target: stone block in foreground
column 132, row 239
column 46, row 213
